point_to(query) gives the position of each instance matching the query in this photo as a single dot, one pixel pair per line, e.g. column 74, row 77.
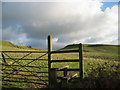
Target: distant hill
column 6, row 45
column 101, row 65
column 97, row 50
column 94, row 48
column 100, row 51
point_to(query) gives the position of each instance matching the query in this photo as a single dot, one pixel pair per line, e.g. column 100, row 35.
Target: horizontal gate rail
column 25, row 66
column 24, row 75
column 25, row 82
column 24, row 51
column 69, row 70
column 76, row 60
column 23, row 78
column 67, row 51
column 25, row 59
column 23, row 71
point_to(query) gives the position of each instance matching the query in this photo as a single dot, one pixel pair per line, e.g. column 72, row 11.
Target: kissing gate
column 35, row 69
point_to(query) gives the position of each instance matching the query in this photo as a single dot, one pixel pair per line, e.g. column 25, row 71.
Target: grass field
column 101, row 65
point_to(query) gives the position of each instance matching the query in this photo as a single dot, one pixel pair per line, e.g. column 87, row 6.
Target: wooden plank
column 25, row 82
column 76, row 60
column 26, row 66
column 64, row 70
column 71, row 76
column 34, row 75
column 81, row 60
column 75, row 75
column 25, row 59
column 4, row 59
column 24, row 71
column 66, row 79
column 49, row 58
column 64, row 67
column 69, row 70
column 68, row 76
column 23, row 78
column 68, row 51
column 24, row 51
column 53, row 77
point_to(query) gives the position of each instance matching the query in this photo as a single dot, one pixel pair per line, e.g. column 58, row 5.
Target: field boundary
column 12, row 72
column 16, row 64
column 52, row 74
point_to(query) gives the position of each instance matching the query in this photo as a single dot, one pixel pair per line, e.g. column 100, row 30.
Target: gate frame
column 52, row 75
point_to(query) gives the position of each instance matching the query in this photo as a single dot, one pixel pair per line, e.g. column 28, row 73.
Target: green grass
column 97, row 51
column 97, row 59
column 8, row 46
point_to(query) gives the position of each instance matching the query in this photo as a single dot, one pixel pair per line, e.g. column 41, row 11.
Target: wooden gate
column 53, row 71
column 25, row 69
column 32, row 69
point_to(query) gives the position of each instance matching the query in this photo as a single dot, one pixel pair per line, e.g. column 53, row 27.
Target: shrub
column 103, row 76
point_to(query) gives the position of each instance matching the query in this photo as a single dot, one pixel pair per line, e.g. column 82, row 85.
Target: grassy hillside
column 101, row 65
column 95, row 48
column 97, row 51
column 100, row 62
column 8, row 46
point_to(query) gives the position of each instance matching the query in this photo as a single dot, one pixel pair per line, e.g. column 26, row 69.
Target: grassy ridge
column 99, row 61
column 97, row 51
column 8, row 46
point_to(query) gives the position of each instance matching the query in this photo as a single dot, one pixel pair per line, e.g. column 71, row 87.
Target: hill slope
column 94, row 48
column 89, row 50
column 8, row 46
column 97, row 50
column 98, row 62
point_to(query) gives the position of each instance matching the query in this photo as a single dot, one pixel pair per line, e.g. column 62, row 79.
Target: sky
column 86, row 21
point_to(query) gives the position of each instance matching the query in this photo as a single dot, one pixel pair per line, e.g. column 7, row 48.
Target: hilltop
column 100, row 51
column 97, row 50
column 8, row 46
column 94, row 48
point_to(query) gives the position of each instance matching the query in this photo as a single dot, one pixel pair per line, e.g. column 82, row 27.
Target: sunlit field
column 101, row 64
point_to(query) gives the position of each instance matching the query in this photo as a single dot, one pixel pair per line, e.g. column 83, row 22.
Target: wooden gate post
column 49, row 56
column 81, row 61
column 53, row 77
column 65, row 72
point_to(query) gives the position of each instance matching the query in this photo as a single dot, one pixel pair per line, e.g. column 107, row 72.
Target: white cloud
column 0, row 21
column 76, row 22
column 55, row 0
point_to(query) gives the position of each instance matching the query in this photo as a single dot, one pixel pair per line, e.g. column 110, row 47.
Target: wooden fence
column 20, row 67
column 16, row 66
column 53, row 71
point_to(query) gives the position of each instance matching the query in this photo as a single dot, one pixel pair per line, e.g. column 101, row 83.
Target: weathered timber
column 81, row 61
column 76, row 60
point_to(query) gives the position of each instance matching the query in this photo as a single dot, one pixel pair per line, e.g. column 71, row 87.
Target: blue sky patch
column 108, row 5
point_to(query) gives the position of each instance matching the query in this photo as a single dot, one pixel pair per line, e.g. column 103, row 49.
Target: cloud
column 68, row 23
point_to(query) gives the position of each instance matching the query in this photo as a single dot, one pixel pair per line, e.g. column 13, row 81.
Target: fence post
column 49, row 56
column 65, row 72
column 81, row 61
column 64, row 82
column 53, row 77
